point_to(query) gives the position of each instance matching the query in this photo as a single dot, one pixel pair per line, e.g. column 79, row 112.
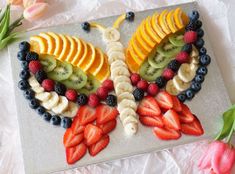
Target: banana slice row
column 52, row 101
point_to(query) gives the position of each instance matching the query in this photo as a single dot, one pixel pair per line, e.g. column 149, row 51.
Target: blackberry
column 60, row 88
column 29, row 94
column 32, row 56
column 24, row 65
column 46, row 116
column 191, row 26
column 24, row 74
column 86, row 26
column 174, row 65
column 66, row 122
column 82, row 99
column 21, row 55
column 130, row 16
column 33, row 103
column 55, row 120
column 40, row 110
column 111, row 100
column 138, row 94
column 181, row 97
column 23, row 84
column 24, row 46
column 161, row 82
column 40, row 75
column 187, row 48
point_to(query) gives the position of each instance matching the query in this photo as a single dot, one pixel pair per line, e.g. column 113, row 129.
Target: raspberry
column 93, row 100
column 108, row 84
column 48, row 85
column 142, row 84
column 102, row 92
column 135, row 78
column 182, row 57
column 152, row 89
column 190, row 37
column 168, row 74
column 71, row 95
column 34, row 66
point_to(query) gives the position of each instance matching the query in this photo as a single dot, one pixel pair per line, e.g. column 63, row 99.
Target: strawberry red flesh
column 166, row 133
column 71, row 140
column 108, row 127
column 73, row 154
column 193, row 128
column 86, row 114
column 171, row 120
column 151, row 121
column 176, row 104
column 185, row 115
column 99, row 146
column 92, row 134
column 149, row 107
column 76, row 126
column 164, row 100
column 105, row 113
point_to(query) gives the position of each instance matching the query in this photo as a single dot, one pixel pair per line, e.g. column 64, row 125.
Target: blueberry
column 161, row 82
column 199, row 43
column 24, row 74
column 60, row 88
column 194, row 15
column 174, row 65
column 191, row 26
column 41, row 110
column 24, row 64
column 195, row 86
column 86, row 26
column 29, row 94
column 21, row 55
column 202, row 51
column 198, row 24
column 23, row 84
column 24, row 46
column 138, row 94
column 32, row 56
column 200, row 33
column 33, row 103
column 181, row 97
column 199, row 78
column 205, row 60
column 111, row 100
column 82, row 99
column 55, row 120
column 66, row 122
column 189, row 94
column 130, row 16
column 46, row 116
column 202, row 70
column 40, row 75
column 187, row 48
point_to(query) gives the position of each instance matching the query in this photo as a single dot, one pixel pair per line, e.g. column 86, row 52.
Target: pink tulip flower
column 35, row 11
column 15, row 2
column 218, row 157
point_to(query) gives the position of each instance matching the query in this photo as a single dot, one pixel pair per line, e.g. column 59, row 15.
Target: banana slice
column 61, row 106
column 33, row 82
column 111, row 45
column 111, row 35
column 126, row 112
column 117, row 63
column 125, row 95
column 179, row 84
column 44, row 96
column 71, row 111
column 185, row 73
column 52, row 102
column 115, row 48
column 119, row 79
column 129, row 119
column 131, row 128
column 170, row 88
column 194, row 60
column 127, row 104
column 123, row 87
column 38, row 89
column 194, row 52
column 194, row 67
column 116, row 55
column 119, row 71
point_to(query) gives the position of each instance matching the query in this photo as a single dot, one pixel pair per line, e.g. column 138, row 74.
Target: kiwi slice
column 177, row 40
column 62, row 71
column 77, row 79
column 168, row 50
column 48, row 62
column 91, row 85
column 148, row 72
column 156, row 60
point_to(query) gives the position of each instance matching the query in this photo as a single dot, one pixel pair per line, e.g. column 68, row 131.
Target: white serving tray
column 42, row 146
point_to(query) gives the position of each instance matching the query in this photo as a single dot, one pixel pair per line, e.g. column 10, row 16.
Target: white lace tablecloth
column 219, row 16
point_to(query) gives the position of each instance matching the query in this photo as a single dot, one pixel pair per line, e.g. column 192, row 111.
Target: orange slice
column 180, row 18
column 151, row 32
column 163, row 23
column 58, row 43
column 50, row 42
column 145, row 36
column 133, row 67
column 170, row 21
column 185, row 19
column 87, row 62
column 83, row 54
column 134, row 56
column 66, row 47
column 141, row 41
column 38, row 44
column 79, row 51
column 142, row 55
column 157, row 28
column 73, row 49
column 104, row 72
column 98, row 62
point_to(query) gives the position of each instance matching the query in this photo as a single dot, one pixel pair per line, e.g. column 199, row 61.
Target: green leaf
column 6, row 24
column 7, row 40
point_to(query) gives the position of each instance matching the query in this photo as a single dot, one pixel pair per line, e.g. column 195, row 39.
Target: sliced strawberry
column 92, row 134
column 73, row 154
column 76, row 127
column 108, row 127
column 71, row 140
column 176, row 104
column 99, row 146
column 164, row 100
column 151, row 121
column 148, row 107
column 105, row 113
column 193, row 128
column 86, row 114
column 185, row 115
column 171, row 120
column 166, row 133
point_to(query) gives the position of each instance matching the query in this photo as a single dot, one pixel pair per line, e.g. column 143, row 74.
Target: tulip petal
column 27, row 3
column 35, row 11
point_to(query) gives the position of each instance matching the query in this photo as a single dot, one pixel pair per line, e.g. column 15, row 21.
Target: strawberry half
column 105, row 113
column 185, row 115
column 92, row 134
column 99, row 146
column 149, row 107
column 151, row 121
column 166, row 134
column 164, row 100
column 76, row 126
column 176, row 104
column 71, row 140
column 86, row 114
column 171, row 120
column 108, row 127
column 73, row 154
column 193, row 128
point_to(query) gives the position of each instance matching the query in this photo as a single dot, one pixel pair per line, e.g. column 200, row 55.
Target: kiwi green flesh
column 48, row 62
column 168, row 50
column 62, row 71
column 156, row 60
column 91, row 85
column 177, row 40
column 77, row 80
column 148, row 72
